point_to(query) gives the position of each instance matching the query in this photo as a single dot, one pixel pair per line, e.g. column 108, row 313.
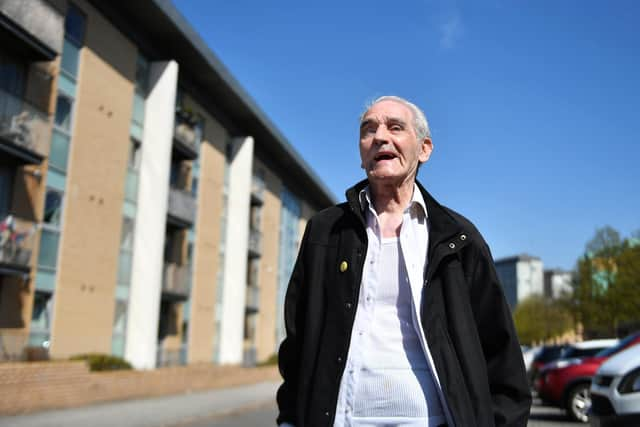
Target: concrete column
column 153, row 196
column 236, row 251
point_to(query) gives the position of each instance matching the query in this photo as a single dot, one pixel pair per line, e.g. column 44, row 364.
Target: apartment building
column 521, row 276
column 557, row 283
column 148, row 207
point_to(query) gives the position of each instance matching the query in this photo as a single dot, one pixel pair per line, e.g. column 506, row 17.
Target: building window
column 74, row 24
column 12, row 76
column 53, row 207
column 48, row 249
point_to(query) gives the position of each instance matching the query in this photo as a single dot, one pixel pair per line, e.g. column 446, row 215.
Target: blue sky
column 534, row 106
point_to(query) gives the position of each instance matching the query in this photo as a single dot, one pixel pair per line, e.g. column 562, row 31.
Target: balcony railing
column 16, row 245
column 12, row 346
column 37, row 28
column 171, row 357
column 176, row 281
column 184, row 137
column 257, row 191
column 253, row 299
column 255, row 243
column 181, row 208
column 25, row 131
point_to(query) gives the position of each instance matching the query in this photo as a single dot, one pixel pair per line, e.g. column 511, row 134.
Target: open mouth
column 384, row 156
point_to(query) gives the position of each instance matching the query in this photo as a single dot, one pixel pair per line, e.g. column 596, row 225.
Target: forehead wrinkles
column 399, row 112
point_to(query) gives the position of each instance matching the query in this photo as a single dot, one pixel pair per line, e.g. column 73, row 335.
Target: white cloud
column 451, row 31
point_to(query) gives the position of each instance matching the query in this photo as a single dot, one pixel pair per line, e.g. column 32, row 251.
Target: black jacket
column 465, row 318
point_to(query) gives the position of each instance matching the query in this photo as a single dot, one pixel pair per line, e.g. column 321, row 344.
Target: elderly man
column 394, row 313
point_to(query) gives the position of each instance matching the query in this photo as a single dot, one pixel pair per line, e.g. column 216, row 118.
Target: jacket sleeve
column 289, row 354
column 508, row 385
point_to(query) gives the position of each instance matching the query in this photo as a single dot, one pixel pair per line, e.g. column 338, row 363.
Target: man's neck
column 389, row 201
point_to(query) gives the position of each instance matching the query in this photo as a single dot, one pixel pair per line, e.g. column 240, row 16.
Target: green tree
column 605, row 243
column 606, row 290
column 538, row 318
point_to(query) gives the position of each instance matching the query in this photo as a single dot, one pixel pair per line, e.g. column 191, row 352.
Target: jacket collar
column 442, row 225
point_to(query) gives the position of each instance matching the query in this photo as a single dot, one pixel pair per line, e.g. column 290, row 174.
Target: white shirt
column 387, row 332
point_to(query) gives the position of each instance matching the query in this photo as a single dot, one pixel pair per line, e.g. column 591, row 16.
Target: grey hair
column 420, row 124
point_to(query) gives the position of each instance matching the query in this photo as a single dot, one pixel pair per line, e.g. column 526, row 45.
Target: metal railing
column 176, row 280
column 24, row 125
column 16, row 243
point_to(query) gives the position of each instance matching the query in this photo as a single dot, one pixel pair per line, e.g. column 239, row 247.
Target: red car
column 566, row 384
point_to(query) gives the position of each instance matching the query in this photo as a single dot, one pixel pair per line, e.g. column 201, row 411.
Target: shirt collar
column 417, row 205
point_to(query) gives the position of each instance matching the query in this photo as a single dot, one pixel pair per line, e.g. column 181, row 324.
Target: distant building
column 521, row 276
column 148, row 208
column 557, row 283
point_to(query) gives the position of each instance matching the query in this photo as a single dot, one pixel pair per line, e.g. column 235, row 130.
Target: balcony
column 171, row 357
column 176, row 282
column 13, row 345
column 16, row 245
column 35, row 27
column 257, row 191
column 253, row 300
column 255, row 243
column 181, row 209
column 185, row 143
column 25, row 131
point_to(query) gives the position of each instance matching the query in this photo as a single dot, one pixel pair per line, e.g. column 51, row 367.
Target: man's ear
column 425, row 150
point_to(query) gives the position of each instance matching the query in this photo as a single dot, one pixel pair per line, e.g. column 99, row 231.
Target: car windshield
column 616, row 348
column 548, row 354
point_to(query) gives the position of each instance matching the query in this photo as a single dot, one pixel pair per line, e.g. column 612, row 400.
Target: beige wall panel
column 88, row 259
column 268, row 275
column 207, row 243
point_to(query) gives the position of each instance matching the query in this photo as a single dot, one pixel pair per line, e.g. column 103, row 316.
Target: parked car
column 572, row 353
column 567, row 384
column 563, row 353
column 615, row 391
column 546, row 354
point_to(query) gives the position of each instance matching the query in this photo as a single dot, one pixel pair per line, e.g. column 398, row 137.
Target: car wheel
column 579, row 403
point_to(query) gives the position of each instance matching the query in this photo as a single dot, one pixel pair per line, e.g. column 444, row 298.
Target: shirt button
column 326, row 414
column 348, row 305
column 339, row 359
column 452, row 245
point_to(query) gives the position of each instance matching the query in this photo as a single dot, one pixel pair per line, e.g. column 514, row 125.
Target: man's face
column 389, row 148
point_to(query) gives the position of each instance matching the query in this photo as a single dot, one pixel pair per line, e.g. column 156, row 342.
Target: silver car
column 615, row 391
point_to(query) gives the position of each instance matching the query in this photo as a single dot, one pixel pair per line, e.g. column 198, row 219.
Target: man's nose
column 382, row 134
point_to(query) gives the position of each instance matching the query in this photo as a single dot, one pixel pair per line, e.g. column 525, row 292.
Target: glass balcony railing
column 184, row 136
column 255, row 243
column 253, row 299
column 25, row 131
column 181, row 208
column 257, row 191
column 16, row 245
column 176, row 281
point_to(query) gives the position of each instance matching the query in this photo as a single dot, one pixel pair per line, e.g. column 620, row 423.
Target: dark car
column 547, row 354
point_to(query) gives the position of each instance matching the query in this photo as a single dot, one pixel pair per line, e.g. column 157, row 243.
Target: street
column 243, row 406
column 541, row 416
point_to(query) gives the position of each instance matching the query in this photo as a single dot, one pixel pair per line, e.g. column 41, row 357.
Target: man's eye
column 395, row 127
